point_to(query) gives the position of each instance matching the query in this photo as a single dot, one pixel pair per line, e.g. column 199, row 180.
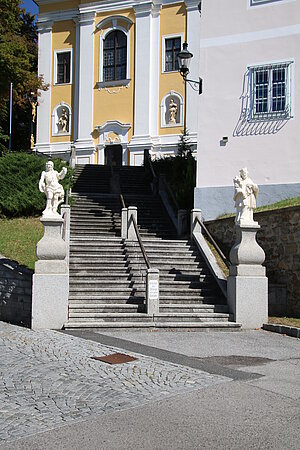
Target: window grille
column 63, row 67
column 261, row 2
column 115, row 56
column 172, row 48
column 269, row 95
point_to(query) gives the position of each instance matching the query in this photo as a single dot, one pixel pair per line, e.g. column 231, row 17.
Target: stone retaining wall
column 280, row 238
column 15, row 292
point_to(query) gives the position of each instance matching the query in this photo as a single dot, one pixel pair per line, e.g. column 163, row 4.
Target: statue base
column 247, row 285
column 51, row 279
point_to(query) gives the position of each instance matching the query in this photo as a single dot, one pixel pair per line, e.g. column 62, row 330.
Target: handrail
column 122, row 201
column 141, row 243
column 151, row 166
column 168, row 187
column 221, row 254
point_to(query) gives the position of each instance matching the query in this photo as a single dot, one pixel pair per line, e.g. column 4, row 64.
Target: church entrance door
column 113, row 155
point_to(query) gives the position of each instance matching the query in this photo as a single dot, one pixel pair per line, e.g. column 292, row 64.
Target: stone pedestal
column 51, row 279
column 152, row 291
column 124, row 223
column 195, row 225
column 247, row 285
column 132, row 214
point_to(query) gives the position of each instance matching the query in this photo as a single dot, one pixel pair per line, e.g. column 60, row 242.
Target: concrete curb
column 282, row 329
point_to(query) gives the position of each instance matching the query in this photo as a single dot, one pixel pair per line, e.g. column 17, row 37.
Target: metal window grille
column 63, row 67
column 270, row 92
column 173, row 47
column 115, row 56
column 259, row 2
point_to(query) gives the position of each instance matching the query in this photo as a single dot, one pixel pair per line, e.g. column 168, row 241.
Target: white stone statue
column 54, row 191
column 245, row 194
column 63, row 122
column 172, row 111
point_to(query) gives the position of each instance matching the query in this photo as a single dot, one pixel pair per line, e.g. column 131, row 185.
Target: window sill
column 62, row 84
column 269, row 117
column 115, row 83
column 169, row 71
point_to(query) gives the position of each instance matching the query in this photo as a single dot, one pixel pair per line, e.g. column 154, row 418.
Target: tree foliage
column 185, row 146
column 18, row 64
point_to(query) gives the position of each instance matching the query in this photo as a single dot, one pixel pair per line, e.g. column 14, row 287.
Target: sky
column 30, row 6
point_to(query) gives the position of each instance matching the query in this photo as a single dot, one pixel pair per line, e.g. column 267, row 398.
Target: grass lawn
column 18, row 239
column 289, row 321
column 282, row 204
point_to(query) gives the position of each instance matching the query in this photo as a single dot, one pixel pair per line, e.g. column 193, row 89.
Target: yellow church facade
column 112, row 71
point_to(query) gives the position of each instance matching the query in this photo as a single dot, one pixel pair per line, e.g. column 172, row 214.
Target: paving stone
column 48, row 379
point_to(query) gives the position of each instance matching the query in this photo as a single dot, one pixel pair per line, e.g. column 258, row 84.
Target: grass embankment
column 279, row 205
column 288, row 321
column 18, row 239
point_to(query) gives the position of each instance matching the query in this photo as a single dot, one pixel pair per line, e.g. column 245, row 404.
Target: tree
column 18, row 64
column 185, row 147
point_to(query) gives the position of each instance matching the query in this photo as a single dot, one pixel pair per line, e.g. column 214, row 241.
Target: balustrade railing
column 130, row 232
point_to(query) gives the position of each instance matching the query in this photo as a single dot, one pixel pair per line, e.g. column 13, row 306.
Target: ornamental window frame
column 114, row 26
column 163, row 50
column 265, row 94
column 55, row 74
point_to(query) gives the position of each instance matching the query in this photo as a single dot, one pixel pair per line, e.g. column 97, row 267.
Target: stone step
column 93, row 316
column 193, row 308
column 209, row 299
column 85, row 299
column 109, row 317
column 199, row 326
column 93, row 308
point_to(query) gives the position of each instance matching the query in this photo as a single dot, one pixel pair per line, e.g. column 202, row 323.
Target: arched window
column 114, row 56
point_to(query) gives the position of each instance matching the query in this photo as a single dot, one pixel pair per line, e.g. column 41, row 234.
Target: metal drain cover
column 115, row 358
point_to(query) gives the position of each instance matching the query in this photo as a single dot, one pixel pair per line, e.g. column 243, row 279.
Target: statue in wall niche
column 172, row 111
column 63, row 121
column 245, row 194
column 52, row 188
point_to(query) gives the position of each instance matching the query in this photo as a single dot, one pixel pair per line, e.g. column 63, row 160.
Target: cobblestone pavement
column 48, row 379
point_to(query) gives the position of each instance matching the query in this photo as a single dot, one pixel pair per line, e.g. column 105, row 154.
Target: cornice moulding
column 44, row 26
column 57, row 16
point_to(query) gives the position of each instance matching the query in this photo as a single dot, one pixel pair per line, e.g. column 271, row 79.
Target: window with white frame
column 171, row 46
column 270, row 91
column 62, row 67
column 115, row 56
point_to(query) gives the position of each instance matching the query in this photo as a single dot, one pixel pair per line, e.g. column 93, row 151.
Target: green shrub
column 180, row 172
column 19, row 180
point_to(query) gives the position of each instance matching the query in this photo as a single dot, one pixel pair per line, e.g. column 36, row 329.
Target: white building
column 250, row 107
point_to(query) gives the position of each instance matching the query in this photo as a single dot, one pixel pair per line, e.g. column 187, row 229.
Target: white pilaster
column 76, row 80
column 85, row 81
column 193, row 40
column 146, row 74
column 44, row 69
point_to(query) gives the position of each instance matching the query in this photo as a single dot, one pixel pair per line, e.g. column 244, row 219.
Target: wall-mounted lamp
column 184, row 61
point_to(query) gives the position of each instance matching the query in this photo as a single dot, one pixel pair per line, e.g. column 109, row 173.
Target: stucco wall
column 235, row 36
column 15, row 292
column 280, row 238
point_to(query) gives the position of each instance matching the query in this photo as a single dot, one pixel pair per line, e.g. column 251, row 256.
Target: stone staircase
column 107, row 273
